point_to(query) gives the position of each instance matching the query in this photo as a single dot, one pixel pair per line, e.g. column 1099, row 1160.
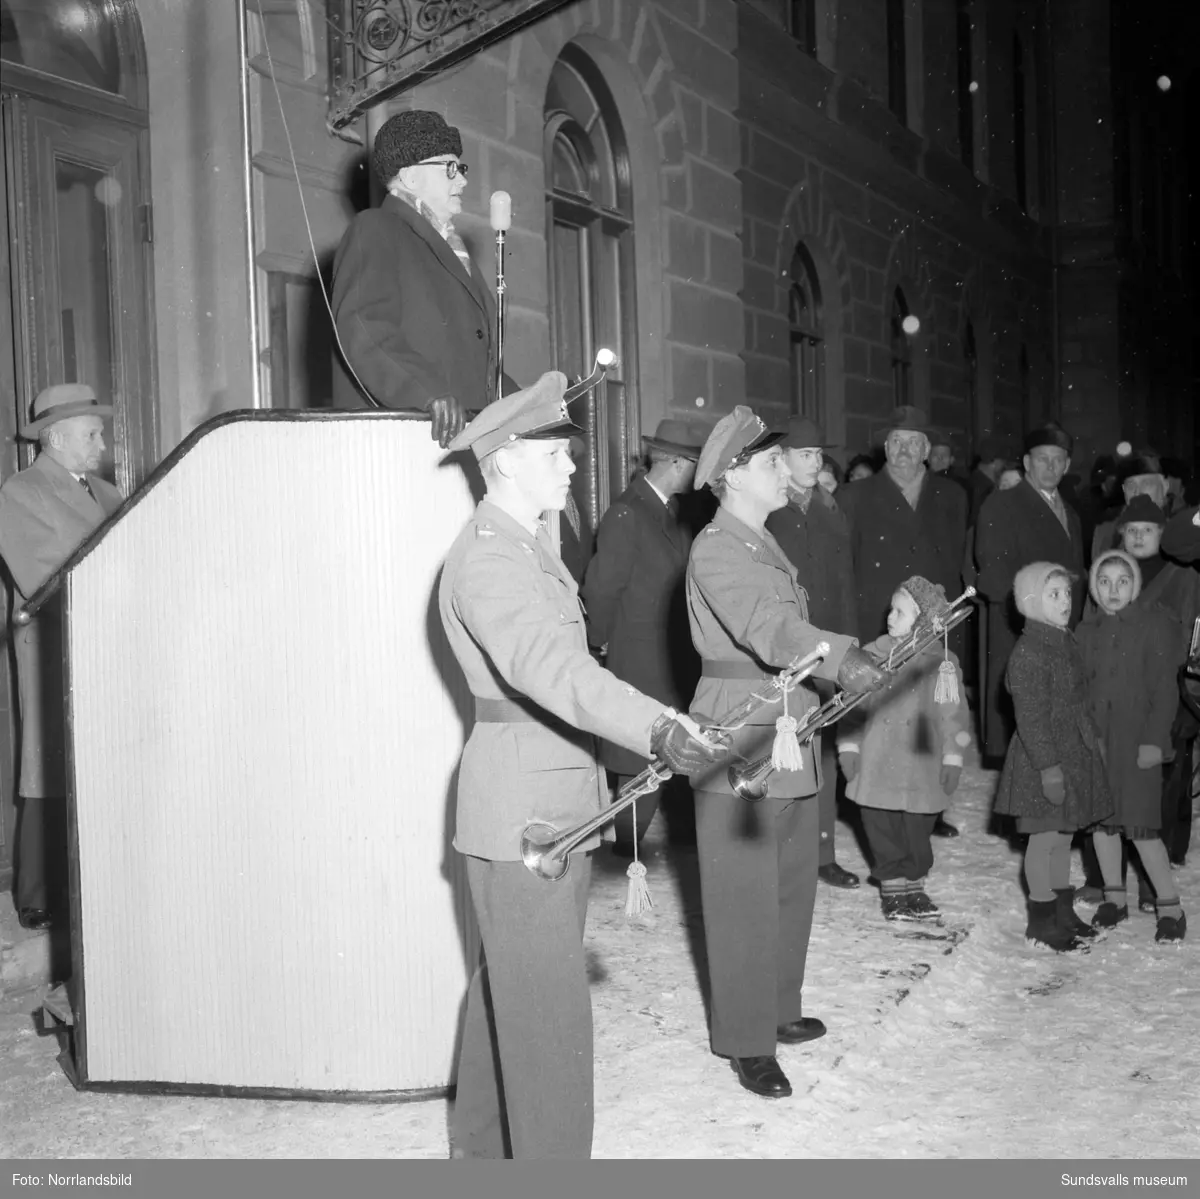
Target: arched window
column 971, row 390
column 589, row 230
column 901, row 351
column 807, row 338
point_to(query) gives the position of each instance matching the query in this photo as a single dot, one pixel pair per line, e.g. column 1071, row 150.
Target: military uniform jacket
column 749, row 617
column 44, row 517
column 413, row 324
column 636, row 605
column 512, row 616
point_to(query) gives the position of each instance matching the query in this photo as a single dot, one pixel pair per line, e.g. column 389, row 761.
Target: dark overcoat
column 44, row 517
column 1131, row 659
column 413, row 324
column 891, row 541
column 1181, row 537
column 979, row 487
column 817, row 543
column 636, row 602
column 1045, row 677
column 1017, row 527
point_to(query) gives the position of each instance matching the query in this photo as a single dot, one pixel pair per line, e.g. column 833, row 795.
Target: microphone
column 501, row 211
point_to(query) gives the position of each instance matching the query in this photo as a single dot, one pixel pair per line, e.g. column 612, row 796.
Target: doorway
column 78, row 300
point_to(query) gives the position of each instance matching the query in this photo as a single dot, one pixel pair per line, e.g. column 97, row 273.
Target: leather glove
column 849, row 761
column 1053, row 786
column 949, row 777
column 676, row 741
column 858, row 673
column 1149, row 756
column 449, row 419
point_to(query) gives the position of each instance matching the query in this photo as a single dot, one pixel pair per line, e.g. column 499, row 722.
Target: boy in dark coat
column 1053, row 779
column 1131, row 653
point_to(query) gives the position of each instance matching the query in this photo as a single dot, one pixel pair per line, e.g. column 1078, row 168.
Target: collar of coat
column 1047, row 634
column 438, row 244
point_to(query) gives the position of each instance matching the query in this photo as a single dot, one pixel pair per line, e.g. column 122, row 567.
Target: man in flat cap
column 46, row 511
column 1028, row 523
column 511, row 613
column 758, row 860
column 634, row 596
column 813, row 533
column 415, row 319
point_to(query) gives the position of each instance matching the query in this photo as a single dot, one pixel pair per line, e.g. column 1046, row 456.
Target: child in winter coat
column 1053, row 780
column 902, row 752
column 1131, row 653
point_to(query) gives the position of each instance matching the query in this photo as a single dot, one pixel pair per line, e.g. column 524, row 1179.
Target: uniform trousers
column 900, row 842
column 40, row 861
column 758, row 884
column 525, row 1063
column 827, row 801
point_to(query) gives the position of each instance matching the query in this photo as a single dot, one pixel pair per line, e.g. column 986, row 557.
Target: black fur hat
column 411, row 137
column 1050, row 433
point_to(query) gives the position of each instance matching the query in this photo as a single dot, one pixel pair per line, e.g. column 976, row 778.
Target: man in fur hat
column 634, row 597
column 1030, row 522
column 46, row 511
column 415, row 320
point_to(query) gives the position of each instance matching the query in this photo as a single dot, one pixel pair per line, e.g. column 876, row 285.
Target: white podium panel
column 266, row 722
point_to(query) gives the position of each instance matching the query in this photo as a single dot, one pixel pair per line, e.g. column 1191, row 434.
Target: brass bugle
column 605, row 361
column 749, row 779
column 546, row 851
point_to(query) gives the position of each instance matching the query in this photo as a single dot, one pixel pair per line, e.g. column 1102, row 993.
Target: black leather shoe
column 763, row 1076
column 944, row 828
column 35, row 918
column 838, row 876
column 807, row 1028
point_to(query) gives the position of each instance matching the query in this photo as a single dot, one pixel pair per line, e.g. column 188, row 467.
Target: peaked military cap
column 536, row 413
column 735, row 439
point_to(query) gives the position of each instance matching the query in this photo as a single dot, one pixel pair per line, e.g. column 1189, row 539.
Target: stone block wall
column 879, row 208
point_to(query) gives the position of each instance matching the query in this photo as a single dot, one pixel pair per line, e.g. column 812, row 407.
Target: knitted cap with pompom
column 930, row 598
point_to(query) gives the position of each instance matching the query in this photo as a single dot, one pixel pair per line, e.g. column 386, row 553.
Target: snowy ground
column 974, row 1045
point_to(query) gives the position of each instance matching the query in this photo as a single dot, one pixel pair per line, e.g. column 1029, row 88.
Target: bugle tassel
column 749, row 780
column 546, row 850
column 500, row 208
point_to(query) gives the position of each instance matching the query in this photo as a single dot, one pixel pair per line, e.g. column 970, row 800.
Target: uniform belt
column 509, row 711
column 734, row 670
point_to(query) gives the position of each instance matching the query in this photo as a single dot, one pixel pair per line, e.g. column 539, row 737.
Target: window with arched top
column 806, row 330
column 589, row 231
column 81, row 41
column 901, row 351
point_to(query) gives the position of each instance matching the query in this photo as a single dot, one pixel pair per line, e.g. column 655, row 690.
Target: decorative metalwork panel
column 380, row 47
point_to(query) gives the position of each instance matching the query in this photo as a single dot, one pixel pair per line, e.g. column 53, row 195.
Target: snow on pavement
column 972, row 1045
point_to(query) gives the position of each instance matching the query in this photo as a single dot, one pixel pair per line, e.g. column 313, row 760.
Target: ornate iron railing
column 380, row 47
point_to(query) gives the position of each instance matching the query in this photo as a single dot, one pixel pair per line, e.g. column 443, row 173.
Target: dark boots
column 1069, row 921
column 1044, row 927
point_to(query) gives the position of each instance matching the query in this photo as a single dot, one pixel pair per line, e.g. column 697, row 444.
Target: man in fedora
column 637, row 607
column 46, row 511
column 812, row 531
column 415, row 319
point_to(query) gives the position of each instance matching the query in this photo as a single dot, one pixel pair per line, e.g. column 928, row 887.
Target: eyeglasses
column 453, row 168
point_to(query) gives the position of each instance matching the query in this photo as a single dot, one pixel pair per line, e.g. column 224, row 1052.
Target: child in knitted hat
column 1131, row 653
column 1053, row 780
column 902, row 752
